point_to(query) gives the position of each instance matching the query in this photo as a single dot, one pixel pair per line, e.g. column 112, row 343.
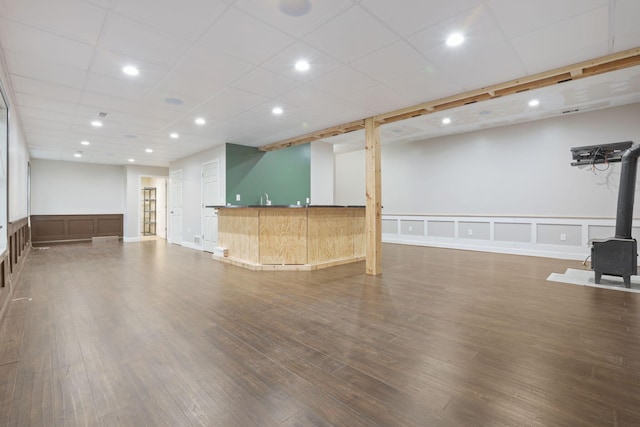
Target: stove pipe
column 626, row 192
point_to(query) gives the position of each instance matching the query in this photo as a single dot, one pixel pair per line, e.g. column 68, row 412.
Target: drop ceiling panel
column 229, row 103
column 203, row 73
column 155, row 105
column 240, row 35
column 407, row 17
column 391, row 62
column 45, row 119
column 133, row 39
column 264, row 82
column 106, row 103
column 365, row 35
column 343, row 81
column 284, row 62
column 627, row 13
column 379, row 99
column 110, row 64
column 518, row 18
column 46, row 104
column 125, row 88
column 45, row 90
column 271, row 13
column 489, row 64
column 185, row 18
column 71, row 18
column 427, row 85
column 44, row 45
column 577, row 39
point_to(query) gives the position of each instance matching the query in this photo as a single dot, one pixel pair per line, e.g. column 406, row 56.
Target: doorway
column 153, row 207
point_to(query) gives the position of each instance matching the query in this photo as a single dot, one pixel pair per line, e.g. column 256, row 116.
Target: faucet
column 266, row 196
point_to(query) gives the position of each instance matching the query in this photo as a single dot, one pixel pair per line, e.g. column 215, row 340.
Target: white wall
column 131, row 190
column 18, row 154
column 59, row 187
column 322, row 173
column 192, row 189
column 509, row 189
column 521, row 170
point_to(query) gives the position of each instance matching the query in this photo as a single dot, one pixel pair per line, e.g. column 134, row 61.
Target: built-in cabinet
column 149, row 211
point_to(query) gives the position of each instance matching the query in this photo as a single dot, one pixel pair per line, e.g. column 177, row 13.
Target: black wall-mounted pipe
column 626, row 192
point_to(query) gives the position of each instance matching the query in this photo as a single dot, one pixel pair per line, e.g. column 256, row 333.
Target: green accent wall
column 284, row 174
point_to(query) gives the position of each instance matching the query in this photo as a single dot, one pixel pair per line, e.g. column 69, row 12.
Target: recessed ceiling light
column 77, row 155
column 200, row 121
column 130, row 70
column 85, row 143
column 302, row 65
column 277, row 111
column 446, row 121
column 174, row 135
column 132, row 160
column 96, row 123
column 455, row 39
column 534, row 103
column 149, row 150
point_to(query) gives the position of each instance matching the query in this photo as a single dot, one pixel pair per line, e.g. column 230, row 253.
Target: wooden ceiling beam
column 313, row 136
column 616, row 61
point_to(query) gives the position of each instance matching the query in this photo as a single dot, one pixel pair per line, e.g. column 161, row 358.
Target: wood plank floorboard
column 151, row 334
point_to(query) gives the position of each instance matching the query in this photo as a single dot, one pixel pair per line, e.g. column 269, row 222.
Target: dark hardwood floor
column 149, row 334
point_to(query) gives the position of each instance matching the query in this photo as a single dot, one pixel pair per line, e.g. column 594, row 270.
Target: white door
column 210, row 196
column 175, row 207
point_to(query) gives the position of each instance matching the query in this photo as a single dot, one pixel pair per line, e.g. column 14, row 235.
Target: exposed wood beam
column 324, row 133
column 373, row 215
column 616, row 61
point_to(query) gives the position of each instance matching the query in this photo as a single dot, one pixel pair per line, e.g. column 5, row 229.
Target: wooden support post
column 374, row 198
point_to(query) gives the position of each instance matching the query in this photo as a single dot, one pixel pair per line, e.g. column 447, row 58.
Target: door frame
column 170, row 197
column 202, row 165
column 166, row 207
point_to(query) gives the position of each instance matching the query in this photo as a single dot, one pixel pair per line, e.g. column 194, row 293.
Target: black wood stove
column 618, row 256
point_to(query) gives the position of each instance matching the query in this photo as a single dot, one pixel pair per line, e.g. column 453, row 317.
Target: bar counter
column 291, row 237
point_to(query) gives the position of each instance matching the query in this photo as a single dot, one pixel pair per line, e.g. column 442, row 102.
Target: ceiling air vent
column 570, row 111
column 102, row 115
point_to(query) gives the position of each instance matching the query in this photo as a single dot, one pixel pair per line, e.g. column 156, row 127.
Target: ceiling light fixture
column 277, row 111
column 130, row 70
column 174, row 135
column 302, row 65
column 96, row 124
column 455, row 39
column 149, row 150
column 85, row 143
column 534, row 103
column 77, row 155
column 200, row 121
column 446, row 121
column 132, row 160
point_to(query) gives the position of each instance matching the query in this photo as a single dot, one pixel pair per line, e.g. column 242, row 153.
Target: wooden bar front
column 291, row 238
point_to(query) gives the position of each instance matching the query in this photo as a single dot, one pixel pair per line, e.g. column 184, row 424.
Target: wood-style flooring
column 150, row 334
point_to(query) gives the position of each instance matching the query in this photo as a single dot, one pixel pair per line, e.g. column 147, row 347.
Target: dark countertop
column 284, row 206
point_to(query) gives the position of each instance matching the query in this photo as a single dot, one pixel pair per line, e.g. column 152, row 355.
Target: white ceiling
column 231, row 62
